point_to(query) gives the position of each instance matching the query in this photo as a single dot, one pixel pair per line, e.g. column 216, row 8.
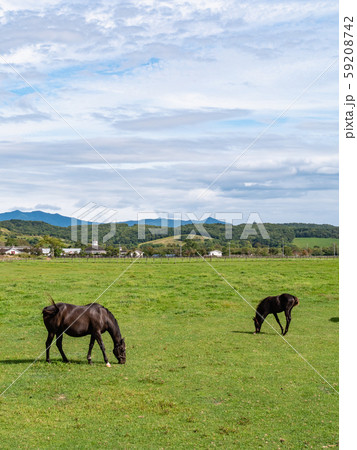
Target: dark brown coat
column 78, row 321
column 274, row 305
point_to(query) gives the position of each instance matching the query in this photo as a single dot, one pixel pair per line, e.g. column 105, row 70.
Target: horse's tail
column 52, row 301
column 51, row 310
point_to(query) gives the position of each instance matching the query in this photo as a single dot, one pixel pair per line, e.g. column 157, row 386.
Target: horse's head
column 120, row 351
column 257, row 324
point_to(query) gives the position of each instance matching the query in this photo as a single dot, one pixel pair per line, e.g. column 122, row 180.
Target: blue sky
column 171, row 93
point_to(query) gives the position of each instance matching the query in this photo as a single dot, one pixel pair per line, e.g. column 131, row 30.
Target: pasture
column 195, row 377
column 311, row 242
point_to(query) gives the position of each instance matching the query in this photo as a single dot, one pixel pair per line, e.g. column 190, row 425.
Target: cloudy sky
column 170, row 106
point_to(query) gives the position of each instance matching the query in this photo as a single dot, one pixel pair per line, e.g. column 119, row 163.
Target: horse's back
column 81, row 320
column 91, row 318
column 277, row 303
column 288, row 300
column 269, row 302
column 74, row 320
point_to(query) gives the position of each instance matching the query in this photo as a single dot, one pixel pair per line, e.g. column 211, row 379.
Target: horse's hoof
column 108, row 364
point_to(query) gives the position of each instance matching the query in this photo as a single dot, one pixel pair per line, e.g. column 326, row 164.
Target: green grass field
column 196, row 376
column 311, row 242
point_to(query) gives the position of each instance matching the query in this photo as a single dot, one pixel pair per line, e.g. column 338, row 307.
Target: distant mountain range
column 65, row 221
column 170, row 222
column 37, row 216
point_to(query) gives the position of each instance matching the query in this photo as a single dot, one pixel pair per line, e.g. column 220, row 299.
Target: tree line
column 20, row 232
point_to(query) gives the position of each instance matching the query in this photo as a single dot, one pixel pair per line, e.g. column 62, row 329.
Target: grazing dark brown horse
column 275, row 305
column 78, row 321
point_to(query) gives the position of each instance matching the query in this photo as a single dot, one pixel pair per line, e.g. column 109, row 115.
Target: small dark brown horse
column 78, row 321
column 275, row 305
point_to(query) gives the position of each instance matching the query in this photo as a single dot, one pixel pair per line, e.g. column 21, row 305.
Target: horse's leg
column 277, row 319
column 99, row 339
column 288, row 320
column 89, row 356
column 48, row 345
column 59, row 340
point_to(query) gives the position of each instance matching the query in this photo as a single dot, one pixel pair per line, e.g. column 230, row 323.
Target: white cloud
column 103, row 18
column 23, row 5
column 171, row 92
column 45, row 206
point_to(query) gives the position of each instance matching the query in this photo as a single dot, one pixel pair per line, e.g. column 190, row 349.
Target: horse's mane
column 111, row 316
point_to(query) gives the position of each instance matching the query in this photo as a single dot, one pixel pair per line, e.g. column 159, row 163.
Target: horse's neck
column 261, row 313
column 114, row 331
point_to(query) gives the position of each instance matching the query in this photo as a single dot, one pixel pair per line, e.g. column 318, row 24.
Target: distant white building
column 122, row 252
column 14, row 251
column 94, row 249
column 216, row 253
column 46, row 251
column 136, row 254
column 71, row 251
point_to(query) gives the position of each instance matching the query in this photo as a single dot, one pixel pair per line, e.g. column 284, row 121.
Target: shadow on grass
column 17, row 361
column 247, row 332
column 334, row 319
column 42, row 361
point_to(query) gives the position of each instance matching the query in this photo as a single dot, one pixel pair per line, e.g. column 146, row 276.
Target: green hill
column 125, row 235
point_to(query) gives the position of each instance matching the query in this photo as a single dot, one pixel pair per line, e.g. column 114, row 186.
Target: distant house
column 46, row 251
column 95, row 249
column 15, row 250
column 71, row 251
column 216, row 253
column 137, row 254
